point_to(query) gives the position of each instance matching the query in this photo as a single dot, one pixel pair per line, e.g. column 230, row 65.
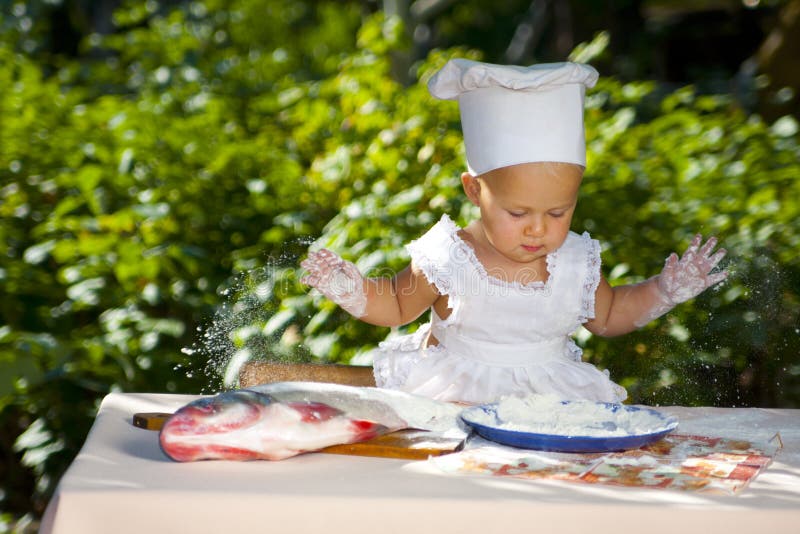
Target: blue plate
column 563, row 443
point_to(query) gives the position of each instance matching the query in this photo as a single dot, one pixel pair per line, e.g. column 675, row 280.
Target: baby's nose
column 535, row 227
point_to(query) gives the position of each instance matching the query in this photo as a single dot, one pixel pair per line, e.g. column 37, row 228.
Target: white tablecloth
column 121, row 482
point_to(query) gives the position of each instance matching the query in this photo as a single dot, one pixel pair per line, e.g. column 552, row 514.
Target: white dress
column 501, row 337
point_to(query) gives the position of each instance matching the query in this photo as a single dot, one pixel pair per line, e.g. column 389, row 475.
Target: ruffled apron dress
column 501, row 338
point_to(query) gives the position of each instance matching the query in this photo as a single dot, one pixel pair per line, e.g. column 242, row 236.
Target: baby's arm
column 621, row 309
column 380, row 301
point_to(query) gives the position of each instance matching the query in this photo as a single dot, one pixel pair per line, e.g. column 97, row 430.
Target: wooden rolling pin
column 255, row 373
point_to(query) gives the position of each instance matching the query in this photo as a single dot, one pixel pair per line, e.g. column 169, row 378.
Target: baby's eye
column 516, row 214
column 556, row 214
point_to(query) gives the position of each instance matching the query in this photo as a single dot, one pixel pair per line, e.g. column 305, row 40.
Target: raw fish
column 280, row 420
column 247, row 425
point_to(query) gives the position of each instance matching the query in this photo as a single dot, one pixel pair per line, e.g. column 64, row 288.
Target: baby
column 507, row 291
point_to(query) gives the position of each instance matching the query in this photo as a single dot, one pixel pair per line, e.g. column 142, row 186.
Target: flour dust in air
column 248, row 324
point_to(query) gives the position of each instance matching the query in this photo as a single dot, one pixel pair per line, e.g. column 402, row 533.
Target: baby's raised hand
column 686, row 277
column 337, row 279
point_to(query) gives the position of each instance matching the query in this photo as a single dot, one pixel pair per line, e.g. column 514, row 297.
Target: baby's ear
column 472, row 187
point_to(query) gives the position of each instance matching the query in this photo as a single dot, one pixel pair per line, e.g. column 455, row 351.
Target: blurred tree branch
column 779, row 60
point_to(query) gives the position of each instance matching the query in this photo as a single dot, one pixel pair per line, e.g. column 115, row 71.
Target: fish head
column 219, row 414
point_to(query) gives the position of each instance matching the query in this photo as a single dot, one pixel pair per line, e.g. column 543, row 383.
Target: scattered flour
column 547, row 414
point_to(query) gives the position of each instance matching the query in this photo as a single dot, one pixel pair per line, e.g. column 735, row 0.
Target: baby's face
column 526, row 210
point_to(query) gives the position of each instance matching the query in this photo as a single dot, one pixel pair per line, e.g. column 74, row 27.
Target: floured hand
column 686, row 277
column 337, row 279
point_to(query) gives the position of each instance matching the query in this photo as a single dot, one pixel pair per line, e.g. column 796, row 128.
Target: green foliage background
column 179, row 171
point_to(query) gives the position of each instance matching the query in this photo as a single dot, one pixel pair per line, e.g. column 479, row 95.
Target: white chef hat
column 512, row 114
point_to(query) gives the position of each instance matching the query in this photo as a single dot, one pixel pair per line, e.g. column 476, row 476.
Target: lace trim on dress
column 466, row 251
column 384, row 365
column 592, row 278
column 383, row 375
column 439, row 277
column 575, row 352
column 395, row 357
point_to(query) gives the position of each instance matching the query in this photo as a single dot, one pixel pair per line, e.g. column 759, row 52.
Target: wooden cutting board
column 407, row 444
